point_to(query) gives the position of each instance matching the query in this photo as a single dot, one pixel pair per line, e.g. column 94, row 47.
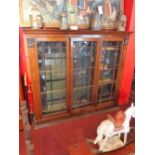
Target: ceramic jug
column 36, row 20
column 63, row 22
column 95, row 21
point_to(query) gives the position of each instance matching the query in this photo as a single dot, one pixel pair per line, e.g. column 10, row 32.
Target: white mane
column 130, row 112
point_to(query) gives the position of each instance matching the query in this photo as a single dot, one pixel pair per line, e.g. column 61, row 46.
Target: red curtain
column 25, row 72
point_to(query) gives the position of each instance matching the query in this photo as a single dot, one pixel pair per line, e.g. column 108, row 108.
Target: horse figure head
column 130, row 112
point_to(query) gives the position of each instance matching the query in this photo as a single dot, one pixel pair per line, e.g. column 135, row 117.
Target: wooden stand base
column 84, row 148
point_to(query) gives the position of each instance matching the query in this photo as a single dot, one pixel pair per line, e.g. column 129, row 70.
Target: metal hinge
column 30, row 42
column 126, row 41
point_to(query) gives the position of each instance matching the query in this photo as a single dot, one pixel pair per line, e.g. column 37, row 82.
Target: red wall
column 129, row 8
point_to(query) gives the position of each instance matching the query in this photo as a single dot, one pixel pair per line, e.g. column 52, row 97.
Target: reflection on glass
column 83, row 70
column 104, row 92
column 110, row 52
column 106, row 75
column 109, row 57
column 83, row 77
column 52, row 66
column 82, row 96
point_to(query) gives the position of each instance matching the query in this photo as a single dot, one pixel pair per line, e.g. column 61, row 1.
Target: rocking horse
column 113, row 126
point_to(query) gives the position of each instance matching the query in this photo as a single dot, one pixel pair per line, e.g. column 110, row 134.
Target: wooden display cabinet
column 74, row 72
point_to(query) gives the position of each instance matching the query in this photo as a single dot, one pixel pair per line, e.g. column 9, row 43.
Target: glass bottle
column 96, row 21
column 63, row 22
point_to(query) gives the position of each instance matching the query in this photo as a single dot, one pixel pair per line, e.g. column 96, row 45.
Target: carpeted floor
column 54, row 139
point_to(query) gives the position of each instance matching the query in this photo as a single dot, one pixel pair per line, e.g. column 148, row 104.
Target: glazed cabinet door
column 109, row 63
column 82, row 68
column 50, row 79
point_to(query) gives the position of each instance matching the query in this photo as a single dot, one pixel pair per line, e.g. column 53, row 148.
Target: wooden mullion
column 78, row 76
column 104, row 69
column 68, row 92
column 45, row 77
column 96, row 71
column 60, row 70
column 51, row 85
column 35, row 81
column 71, row 74
column 89, row 72
column 112, row 85
column 114, row 71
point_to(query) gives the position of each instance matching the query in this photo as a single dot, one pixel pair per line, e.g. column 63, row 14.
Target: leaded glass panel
column 83, row 72
column 52, row 67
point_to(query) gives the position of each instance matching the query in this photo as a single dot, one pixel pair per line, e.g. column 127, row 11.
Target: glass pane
column 84, row 54
column 104, row 91
column 83, row 71
column 107, row 75
column 110, row 56
column 52, row 66
column 109, row 60
column 83, row 77
column 55, row 95
column 55, row 75
column 55, row 106
column 55, row 85
column 82, row 97
column 110, row 52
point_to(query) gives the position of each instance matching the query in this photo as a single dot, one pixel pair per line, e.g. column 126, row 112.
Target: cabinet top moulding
column 65, row 32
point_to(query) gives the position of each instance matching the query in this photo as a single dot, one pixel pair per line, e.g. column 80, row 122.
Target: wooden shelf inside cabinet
column 69, row 67
column 104, row 82
column 110, row 49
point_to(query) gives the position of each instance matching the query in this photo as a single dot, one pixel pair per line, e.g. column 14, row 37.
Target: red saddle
column 117, row 119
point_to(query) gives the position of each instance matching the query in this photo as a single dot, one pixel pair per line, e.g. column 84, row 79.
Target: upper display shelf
column 80, row 31
column 63, row 14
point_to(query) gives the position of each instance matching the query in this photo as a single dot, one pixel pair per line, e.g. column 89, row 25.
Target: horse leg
column 125, row 137
column 98, row 138
column 103, row 143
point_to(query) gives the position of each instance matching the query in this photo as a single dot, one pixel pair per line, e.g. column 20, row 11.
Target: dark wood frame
column 69, row 36
column 77, row 38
